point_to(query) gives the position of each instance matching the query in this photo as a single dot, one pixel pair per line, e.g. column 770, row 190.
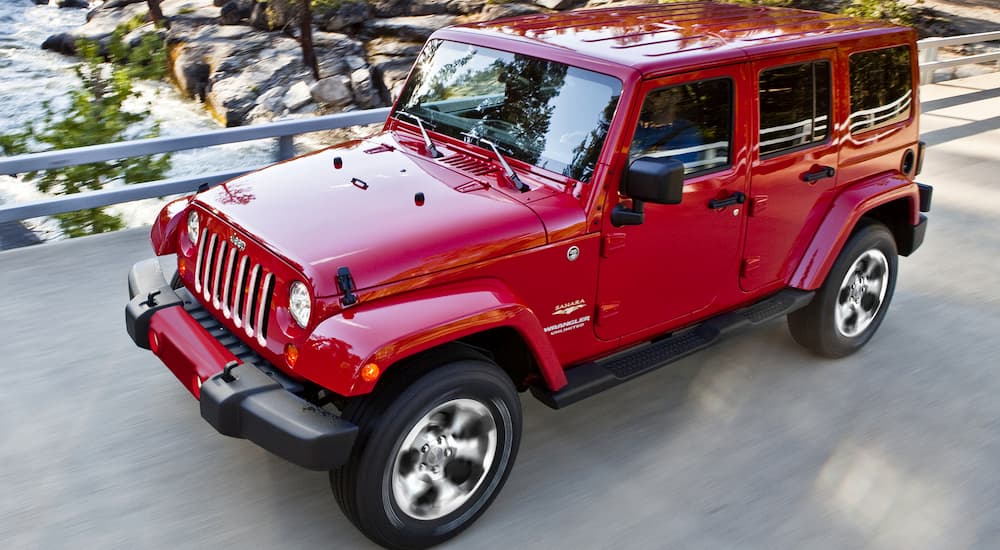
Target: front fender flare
column 845, row 212
column 387, row 331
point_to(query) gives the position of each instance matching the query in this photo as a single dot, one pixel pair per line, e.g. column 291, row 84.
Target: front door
column 683, row 257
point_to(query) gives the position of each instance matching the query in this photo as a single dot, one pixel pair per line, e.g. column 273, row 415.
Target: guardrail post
column 928, row 54
column 286, row 147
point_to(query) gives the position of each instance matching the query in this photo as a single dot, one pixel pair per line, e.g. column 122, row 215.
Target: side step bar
column 594, row 377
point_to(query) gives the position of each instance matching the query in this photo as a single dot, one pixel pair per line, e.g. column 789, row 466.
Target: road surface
column 753, row 444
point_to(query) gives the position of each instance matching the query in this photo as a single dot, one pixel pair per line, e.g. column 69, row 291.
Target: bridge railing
column 284, row 132
column 929, row 49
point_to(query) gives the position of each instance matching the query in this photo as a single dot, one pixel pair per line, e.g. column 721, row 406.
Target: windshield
column 541, row 112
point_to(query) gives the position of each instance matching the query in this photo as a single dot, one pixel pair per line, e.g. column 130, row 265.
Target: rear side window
column 881, row 88
column 794, row 106
column 690, row 122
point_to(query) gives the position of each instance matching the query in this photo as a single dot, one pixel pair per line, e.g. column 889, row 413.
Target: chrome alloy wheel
column 862, row 293
column 444, row 458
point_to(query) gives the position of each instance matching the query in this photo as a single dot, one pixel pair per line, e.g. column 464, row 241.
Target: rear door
column 793, row 165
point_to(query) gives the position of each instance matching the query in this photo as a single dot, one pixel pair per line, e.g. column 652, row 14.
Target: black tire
column 823, row 326
column 364, row 487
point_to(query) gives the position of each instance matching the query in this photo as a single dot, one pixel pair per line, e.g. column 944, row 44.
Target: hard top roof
column 647, row 36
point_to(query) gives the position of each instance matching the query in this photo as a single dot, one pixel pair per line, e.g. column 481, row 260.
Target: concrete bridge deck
column 751, row 445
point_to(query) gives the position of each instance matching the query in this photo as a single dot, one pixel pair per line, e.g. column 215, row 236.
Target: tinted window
column 794, row 106
column 541, row 112
column 690, row 122
column 881, row 88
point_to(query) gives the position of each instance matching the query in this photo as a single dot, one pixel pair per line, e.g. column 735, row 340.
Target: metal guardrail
column 284, row 131
column 929, row 48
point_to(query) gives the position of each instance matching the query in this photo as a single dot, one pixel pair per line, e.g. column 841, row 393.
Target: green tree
column 96, row 115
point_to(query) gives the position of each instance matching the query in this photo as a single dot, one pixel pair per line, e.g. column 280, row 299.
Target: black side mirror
column 658, row 180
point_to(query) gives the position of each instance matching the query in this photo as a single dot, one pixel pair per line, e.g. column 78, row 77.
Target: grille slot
column 471, row 165
column 231, row 283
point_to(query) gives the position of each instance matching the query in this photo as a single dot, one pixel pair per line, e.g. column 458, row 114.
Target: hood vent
column 468, row 164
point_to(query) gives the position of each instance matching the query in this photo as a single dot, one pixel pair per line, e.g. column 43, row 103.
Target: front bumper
column 252, row 401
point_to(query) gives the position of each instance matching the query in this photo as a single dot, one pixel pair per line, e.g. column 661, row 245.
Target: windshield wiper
column 423, row 131
column 509, row 172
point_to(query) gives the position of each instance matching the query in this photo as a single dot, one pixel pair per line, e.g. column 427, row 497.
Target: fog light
column 291, row 355
column 370, row 372
column 182, row 267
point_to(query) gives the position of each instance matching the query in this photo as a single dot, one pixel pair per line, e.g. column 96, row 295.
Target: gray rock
column 409, row 28
column 391, row 75
column 366, row 95
column 63, row 43
column 112, row 4
column 396, row 8
column 465, row 7
column 258, row 17
column 559, row 4
column 355, row 62
column 234, row 11
column 499, row 11
column 74, row 4
column 346, row 16
column 41, row 2
column 334, row 91
column 297, row 96
column 200, row 11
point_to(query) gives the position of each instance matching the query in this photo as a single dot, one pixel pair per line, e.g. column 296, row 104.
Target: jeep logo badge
column 238, row 242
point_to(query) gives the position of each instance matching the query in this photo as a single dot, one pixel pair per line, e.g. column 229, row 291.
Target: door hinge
column 757, row 205
column 750, row 264
column 607, row 311
column 612, row 242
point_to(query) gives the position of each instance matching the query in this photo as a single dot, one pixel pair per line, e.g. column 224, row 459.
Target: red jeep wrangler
column 558, row 203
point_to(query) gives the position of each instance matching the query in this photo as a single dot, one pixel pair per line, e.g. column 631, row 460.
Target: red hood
column 311, row 214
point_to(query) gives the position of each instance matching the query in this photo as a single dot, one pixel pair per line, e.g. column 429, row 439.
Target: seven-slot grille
column 233, row 284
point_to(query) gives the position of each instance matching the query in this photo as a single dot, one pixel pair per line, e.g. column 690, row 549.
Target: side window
column 691, row 122
column 881, row 88
column 794, row 106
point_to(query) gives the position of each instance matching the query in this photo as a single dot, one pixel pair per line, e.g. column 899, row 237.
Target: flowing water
column 30, row 76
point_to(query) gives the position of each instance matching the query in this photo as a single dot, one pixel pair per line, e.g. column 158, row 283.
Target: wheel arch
column 480, row 315
column 891, row 200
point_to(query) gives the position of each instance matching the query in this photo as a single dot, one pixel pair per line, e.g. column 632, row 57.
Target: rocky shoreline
column 243, row 60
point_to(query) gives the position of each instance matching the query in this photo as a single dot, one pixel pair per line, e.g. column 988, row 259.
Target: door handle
column 817, row 173
column 735, row 198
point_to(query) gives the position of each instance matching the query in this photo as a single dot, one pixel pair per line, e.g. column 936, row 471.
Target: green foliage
column 893, row 10
column 96, row 114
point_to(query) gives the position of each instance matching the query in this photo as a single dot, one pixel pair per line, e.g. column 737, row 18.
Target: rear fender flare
column 387, row 331
column 845, row 212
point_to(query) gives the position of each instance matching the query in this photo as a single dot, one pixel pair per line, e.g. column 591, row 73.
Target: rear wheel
column 433, row 452
column 852, row 302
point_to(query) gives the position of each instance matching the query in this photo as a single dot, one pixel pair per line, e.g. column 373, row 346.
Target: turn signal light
column 291, row 355
column 370, row 372
column 182, row 267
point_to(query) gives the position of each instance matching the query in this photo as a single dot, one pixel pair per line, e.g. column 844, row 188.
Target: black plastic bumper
column 254, row 406
column 148, row 293
column 251, row 402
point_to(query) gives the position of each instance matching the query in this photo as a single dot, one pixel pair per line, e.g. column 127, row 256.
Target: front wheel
column 852, row 302
column 433, row 452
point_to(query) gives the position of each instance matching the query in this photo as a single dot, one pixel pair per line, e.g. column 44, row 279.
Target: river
column 30, row 76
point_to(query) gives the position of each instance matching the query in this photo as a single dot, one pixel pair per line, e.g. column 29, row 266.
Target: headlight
column 299, row 303
column 194, row 227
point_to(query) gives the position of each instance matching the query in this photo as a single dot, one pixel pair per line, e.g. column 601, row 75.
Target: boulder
column 234, row 11
column 397, row 8
column 409, row 28
column 560, row 4
column 41, row 2
column 297, row 96
column 63, row 43
column 258, row 16
column 498, row 11
column 334, row 91
column 113, row 4
column 391, row 75
column 366, row 95
column 74, row 4
column 347, row 15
